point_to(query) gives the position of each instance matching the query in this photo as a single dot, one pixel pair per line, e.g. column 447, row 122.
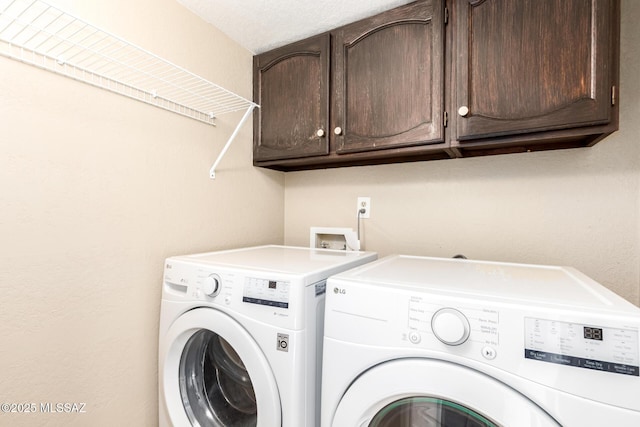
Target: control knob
column 450, row 326
column 211, row 285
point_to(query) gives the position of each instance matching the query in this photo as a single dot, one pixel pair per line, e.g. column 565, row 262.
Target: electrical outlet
column 364, row 203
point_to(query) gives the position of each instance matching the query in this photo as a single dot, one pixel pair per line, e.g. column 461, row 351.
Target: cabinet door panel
column 388, row 79
column 531, row 65
column 291, row 85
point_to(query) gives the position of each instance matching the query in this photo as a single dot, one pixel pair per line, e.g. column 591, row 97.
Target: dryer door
column 215, row 374
column 425, row 392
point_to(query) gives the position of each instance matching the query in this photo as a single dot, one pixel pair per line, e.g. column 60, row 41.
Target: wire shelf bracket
column 39, row 34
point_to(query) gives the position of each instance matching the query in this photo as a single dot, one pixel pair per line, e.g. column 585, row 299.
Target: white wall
column 95, row 191
column 577, row 207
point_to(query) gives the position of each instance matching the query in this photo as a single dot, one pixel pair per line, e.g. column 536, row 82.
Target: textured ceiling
column 261, row 25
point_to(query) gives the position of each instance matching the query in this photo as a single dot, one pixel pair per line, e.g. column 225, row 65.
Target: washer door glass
column 213, row 373
column 428, row 392
column 215, row 386
column 426, row 412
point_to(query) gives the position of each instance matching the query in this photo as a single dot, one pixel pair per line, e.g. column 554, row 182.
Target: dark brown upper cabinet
column 533, row 74
column 437, row 79
column 388, row 80
column 291, row 85
column 386, row 97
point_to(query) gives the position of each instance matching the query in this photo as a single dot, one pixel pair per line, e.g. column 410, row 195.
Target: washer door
column 425, row 392
column 215, row 374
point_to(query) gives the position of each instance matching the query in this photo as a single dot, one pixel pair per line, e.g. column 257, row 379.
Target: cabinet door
column 291, row 85
column 525, row 66
column 388, row 79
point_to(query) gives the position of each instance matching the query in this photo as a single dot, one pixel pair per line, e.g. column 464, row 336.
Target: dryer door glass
column 214, row 384
column 427, row 412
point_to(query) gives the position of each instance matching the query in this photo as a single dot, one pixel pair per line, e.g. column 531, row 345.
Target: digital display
column 560, row 343
column 592, row 333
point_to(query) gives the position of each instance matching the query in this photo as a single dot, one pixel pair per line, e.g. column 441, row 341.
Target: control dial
column 450, row 326
column 211, row 285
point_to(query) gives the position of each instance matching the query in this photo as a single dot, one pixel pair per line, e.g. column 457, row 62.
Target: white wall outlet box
column 334, row 238
column 364, row 207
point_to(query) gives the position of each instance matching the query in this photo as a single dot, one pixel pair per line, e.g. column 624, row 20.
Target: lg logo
column 337, row 290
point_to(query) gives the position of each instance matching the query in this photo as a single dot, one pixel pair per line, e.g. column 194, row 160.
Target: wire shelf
column 39, row 34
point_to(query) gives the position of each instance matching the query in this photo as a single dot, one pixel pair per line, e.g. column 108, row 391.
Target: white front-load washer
column 417, row 341
column 241, row 335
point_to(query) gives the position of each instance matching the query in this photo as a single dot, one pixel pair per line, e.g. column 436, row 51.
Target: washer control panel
column 454, row 326
column 584, row 346
column 274, row 293
column 599, row 348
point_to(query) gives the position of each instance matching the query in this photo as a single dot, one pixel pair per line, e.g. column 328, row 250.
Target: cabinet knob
column 463, row 111
column 338, row 130
column 320, row 133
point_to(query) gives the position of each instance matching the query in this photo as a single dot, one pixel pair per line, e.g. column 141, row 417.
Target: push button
column 489, row 353
column 414, row 337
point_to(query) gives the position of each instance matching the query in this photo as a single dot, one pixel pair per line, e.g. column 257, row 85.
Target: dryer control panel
column 584, row 346
column 274, row 293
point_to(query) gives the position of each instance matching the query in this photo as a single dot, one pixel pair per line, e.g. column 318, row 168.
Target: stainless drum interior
column 215, row 386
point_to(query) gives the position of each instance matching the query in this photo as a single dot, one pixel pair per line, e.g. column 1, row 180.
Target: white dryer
column 416, row 341
column 241, row 335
